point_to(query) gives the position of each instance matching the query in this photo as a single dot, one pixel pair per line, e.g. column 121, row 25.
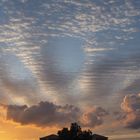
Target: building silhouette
column 74, row 133
column 50, row 137
column 99, row 137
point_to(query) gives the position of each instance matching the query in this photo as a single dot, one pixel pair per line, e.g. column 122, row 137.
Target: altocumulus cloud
column 131, row 108
column 46, row 114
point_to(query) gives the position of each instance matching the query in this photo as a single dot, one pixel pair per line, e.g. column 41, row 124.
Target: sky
column 64, row 61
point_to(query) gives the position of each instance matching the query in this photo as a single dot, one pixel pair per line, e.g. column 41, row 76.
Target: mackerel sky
column 70, row 60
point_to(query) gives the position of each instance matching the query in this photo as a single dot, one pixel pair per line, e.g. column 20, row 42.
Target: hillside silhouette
column 74, row 133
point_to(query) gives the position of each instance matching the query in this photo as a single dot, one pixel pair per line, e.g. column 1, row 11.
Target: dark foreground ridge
column 74, row 133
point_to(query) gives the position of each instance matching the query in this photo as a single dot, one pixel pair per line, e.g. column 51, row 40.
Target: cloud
column 107, row 73
column 43, row 114
column 131, row 108
column 25, row 33
column 46, row 114
column 94, row 50
column 93, row 117
column 16, row 81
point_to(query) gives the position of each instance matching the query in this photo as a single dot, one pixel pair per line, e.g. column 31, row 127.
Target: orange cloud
column 131, row 108
column 93, row 117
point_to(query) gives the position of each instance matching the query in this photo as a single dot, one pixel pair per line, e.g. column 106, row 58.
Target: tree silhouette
column 64, row 134
column 75, row 130
column 75, row 133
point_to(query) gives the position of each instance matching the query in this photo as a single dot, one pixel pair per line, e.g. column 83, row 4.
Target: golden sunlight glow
column 13, row 131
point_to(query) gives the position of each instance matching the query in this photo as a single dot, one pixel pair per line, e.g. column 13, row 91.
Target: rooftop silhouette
column 74, row 133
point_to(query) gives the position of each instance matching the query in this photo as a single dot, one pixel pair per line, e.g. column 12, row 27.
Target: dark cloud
column 43, row 114
column 47, row 114
column 131, row 108
column 94, row 117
